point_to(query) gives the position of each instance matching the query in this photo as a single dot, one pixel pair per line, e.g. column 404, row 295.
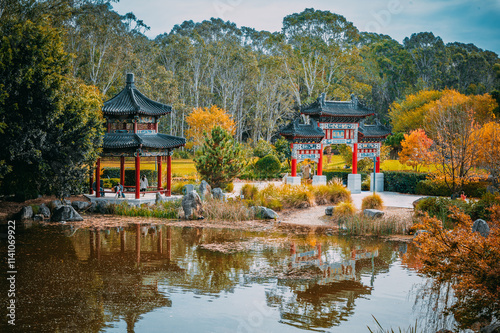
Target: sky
column 466, row 21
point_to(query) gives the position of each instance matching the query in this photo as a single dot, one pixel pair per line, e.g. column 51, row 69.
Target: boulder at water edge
column 482, row 227
column 80, row 205
column 188, row 188
column 192, row 205
column 66, row 213
column 204, row 190
column 264, row 213
column 218, row 194
column 38, row 217
column 44, row 210
column 26, row 213
column 415, row 203
column 329, row 210
column 373, row 213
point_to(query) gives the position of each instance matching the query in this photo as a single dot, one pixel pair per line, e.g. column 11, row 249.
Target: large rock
column 192, row 205
column 38, row 217
column 373, row 213
column 204, row 190
column 26, row 213
column 44, row 210
column 56, row 204
column 482, row 227
column 329, row 210
column 417, row 201
column 66, row 213
column 188, row 188
column 80, row 205
column 491, row 189
column 264, row 213
column 218, row 194
column 492, row 328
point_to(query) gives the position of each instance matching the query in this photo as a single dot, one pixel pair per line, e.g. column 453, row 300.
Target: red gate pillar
column 355, row 158
column 294, row 163
column 169, row 175
column 158, row 160
column 377, row 165
column 98, row 178
column 137, row 175
column 122, row 170
column 320, row 162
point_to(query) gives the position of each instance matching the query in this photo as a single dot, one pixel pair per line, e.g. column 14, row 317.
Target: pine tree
column 221, row 158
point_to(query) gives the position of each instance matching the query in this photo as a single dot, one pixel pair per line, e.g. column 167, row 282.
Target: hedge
column 151, row 175
column 342, row 173
column 402, row 181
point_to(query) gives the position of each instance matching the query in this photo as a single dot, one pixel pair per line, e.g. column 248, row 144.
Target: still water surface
column 153, row 278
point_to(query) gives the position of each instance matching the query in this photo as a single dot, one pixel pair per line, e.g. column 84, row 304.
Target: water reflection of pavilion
column 328, row 300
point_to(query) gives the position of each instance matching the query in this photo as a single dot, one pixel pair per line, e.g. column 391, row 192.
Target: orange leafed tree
column 466, row 260
column 415, row 149
column 204, row 120
column 488, row 152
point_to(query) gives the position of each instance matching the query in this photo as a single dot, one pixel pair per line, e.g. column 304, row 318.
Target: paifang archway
column 132, row 131
column 340, row 123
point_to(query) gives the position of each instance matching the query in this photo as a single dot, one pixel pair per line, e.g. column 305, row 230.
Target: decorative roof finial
column 322, row 98
column 130, row 78
column 354, row 100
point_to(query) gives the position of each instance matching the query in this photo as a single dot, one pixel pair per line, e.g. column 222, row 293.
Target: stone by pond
column 147, row 277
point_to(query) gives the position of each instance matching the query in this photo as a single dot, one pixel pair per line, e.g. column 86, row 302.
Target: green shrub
column 365, row 185
column 182, row 154
column 480, row 209
column 441, row 208
column 268, row 166
column 110, row 182
column 111, row 172
column 263, row 148
column 151, row 175
column 402, row 181
column 373, row 201
column 439, row 188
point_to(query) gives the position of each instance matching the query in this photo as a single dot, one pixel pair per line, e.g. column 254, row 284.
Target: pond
column 157, row 278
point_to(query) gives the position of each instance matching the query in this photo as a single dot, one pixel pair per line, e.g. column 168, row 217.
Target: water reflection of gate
column 333, row 271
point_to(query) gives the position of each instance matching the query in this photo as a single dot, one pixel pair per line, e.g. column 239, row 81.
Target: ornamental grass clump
column 167, row 210
column 231, row 210
column 332, row 193
column 360, row 225
column 373, row 201
column 249, row 191
column 344, row 209
column 285, row 196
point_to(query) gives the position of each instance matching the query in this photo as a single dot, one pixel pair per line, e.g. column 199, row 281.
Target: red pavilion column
column 137, row 175
column 294, row 163
column 169, row 175
column 122, row 170
column 355, row 158
column 158, row 160
column 98, row 178
column 377, row 165
column 320, row 161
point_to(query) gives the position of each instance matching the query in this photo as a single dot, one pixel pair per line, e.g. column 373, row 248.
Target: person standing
column 144, row 184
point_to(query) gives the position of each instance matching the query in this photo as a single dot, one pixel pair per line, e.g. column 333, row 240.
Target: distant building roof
column 132, row 101
column 322, row 107
column 131, row 140
column 373, row 131
column 297, row 130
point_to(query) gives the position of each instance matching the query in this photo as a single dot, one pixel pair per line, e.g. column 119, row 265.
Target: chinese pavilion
column 339, row 123
column 132, row 131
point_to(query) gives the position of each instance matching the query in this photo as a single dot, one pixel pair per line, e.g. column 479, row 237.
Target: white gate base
column 293, row 180
column 354, row 183
column 319, row 180
column 379, row 180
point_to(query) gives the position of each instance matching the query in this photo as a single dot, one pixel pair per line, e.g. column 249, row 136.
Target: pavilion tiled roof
column 297, row 130
column 374, row 131
column 322, row 107
column 131, row 140
column 132, row 101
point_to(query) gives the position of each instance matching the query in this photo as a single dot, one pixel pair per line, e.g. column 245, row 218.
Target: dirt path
column 313, row 216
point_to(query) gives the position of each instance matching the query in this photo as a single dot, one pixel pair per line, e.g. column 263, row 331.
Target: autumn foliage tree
column 221, row 158
column 415, row 149
column 203, row 120
column 488, row 152
column 467, row 261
